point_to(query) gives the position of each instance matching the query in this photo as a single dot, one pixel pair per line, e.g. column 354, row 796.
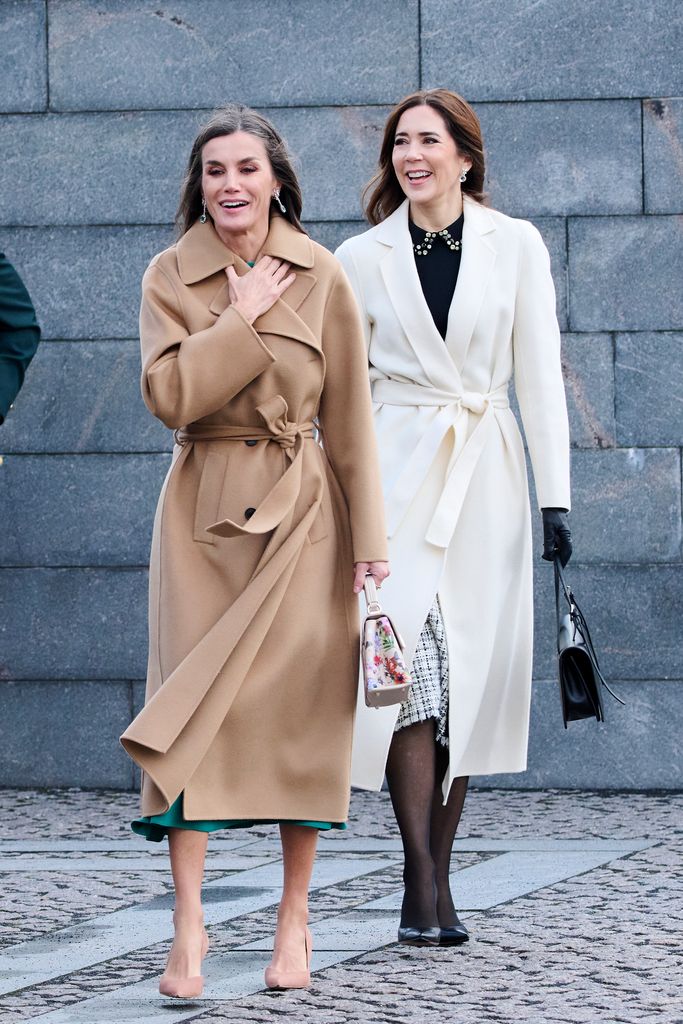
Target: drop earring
column 276, row 197
column 463, row 176
column 202, row 219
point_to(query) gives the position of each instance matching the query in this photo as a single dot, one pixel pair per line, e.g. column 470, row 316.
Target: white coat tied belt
column 453, row 415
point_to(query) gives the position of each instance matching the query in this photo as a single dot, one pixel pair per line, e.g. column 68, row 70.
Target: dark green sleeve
column 19, row 334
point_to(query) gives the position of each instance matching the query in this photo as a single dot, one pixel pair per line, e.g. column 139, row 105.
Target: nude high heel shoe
column 184, row 988
column 292, row 979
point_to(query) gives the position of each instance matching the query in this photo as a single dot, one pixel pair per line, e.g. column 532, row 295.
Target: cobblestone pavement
column 572, row 900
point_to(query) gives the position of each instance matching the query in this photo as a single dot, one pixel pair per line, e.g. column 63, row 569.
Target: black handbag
column 579, row 671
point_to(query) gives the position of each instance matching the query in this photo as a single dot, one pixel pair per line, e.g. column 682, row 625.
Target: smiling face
column 237, row 184
column 425, row 158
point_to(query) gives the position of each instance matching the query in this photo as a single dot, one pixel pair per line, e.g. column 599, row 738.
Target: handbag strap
column 371, row 595
column 560, row 582
column 578, row 619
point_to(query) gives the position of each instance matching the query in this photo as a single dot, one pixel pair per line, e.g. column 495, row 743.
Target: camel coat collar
column 201, row 253
column 439, row 361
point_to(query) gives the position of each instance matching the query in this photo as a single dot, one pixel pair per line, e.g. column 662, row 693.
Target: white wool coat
column 454, row 472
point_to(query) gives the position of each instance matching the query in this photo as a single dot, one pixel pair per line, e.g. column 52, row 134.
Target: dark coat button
column 248, row 512
column 251, row 443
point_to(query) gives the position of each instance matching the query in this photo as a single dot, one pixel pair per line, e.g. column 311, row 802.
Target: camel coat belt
column 282, row 498
column 273, row 493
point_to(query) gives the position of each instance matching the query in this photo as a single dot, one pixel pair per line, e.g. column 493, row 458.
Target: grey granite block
column 331, row 234
column 138, row 704
column 73, row 623
column 145, row 155
column 85, row 281
column 334, row 150
column 588, row 369
column 663, row 155
column 78, row 509
column 563, row 158
column 626, row 505
column 138, row 695
column 649, row 380
column 200, row 53
column 625, row 273
column 554, row 232
column 633, row 612
column 83, row 397
column 65, row 734
column 552, row 50
column 615, row 754
column 23, row 69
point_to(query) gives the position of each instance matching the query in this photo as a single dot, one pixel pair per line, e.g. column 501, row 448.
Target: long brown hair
column 383, row 194
column 226, row 121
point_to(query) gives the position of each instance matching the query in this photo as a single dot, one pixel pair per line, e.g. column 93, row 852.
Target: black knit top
column 438, row 270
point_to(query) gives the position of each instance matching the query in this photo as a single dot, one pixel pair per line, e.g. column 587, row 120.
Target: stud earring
column 202, row 219
column 463, row 176
column 276, row 197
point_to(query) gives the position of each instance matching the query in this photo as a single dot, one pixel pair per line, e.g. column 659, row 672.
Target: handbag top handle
column 371, row 595
column 578, row 619
column 569, row 597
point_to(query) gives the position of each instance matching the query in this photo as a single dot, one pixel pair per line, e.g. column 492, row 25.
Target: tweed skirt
column 429, row 692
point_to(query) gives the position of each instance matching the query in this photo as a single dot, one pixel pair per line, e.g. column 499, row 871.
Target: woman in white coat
column 456, row 298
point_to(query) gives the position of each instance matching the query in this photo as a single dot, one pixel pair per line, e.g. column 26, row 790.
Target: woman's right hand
column 378, row 570
column 260, row 288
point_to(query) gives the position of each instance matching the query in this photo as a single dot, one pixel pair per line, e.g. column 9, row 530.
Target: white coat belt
column 453, row 414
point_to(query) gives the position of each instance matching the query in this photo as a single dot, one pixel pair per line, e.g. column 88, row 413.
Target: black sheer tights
column 415, row 769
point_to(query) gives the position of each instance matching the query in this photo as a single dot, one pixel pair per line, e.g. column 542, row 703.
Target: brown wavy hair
column 226, row 121
column 383, row 194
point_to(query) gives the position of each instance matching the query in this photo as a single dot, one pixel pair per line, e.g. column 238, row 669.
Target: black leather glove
column 557, row 537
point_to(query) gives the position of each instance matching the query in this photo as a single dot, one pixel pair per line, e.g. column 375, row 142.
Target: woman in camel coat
column 456, row 298
column 253, row 621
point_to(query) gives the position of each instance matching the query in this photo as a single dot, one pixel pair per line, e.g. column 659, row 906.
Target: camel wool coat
column 253, row 624
column 454, row 471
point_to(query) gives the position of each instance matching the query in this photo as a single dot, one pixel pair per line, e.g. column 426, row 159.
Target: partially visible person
column 19, row 334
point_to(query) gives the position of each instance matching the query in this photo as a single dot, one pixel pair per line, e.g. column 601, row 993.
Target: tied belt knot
column 452, row 416
column 474, row 402
column 283, row 431
column 289, row 435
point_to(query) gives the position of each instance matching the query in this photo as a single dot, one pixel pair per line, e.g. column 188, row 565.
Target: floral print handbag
column 385, row 676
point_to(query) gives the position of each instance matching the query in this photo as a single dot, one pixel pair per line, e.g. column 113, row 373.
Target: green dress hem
column 155, row 827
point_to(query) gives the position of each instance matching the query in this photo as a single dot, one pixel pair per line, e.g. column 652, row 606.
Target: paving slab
column 511, row 875
column 574, row 910
column 110, row 935
column 132, row 845
column 231, row 976
column 37, row 864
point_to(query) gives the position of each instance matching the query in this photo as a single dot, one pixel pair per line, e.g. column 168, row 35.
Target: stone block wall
column 583, row 120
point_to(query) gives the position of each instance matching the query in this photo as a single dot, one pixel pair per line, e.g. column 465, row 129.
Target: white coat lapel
column 405, row 292
column 476, row 265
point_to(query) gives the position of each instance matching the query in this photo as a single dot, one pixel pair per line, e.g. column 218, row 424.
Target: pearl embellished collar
column 451, row 236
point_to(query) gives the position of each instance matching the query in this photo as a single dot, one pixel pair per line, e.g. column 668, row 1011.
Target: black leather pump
column 420, row 936
column 454, row 935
